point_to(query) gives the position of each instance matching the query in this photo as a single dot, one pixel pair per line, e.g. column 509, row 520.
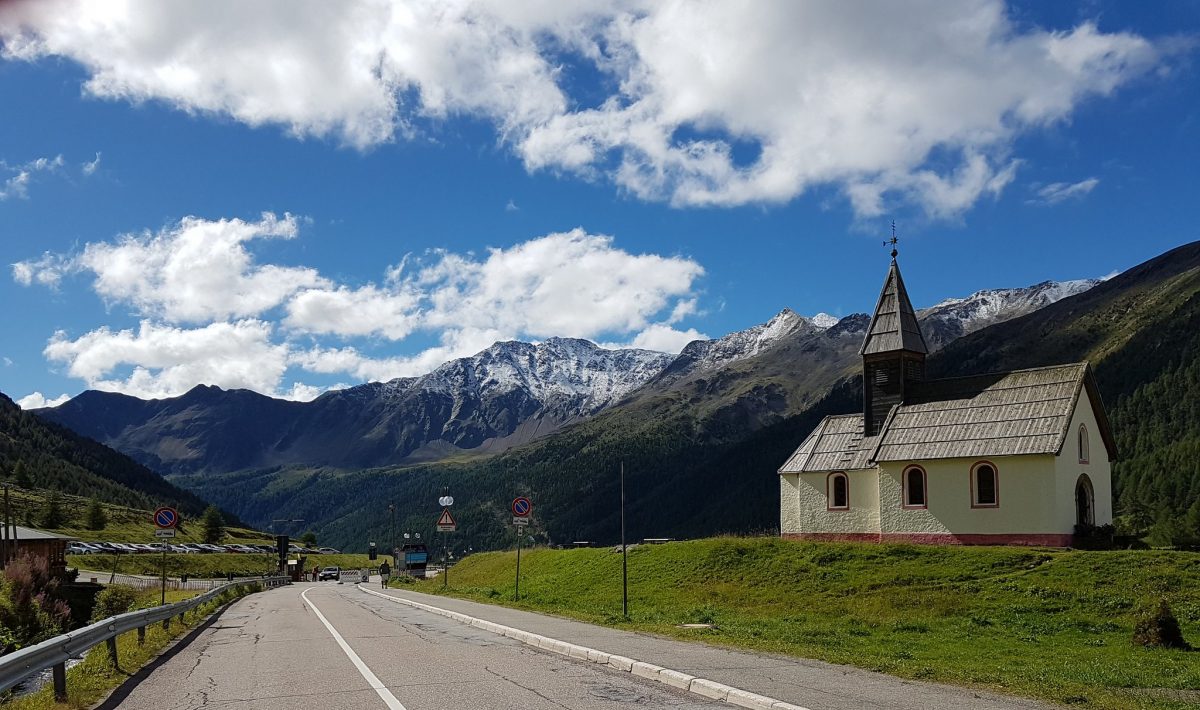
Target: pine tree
column 53, row 516
column 96, row 518
column 21, row 476
column 214, row 525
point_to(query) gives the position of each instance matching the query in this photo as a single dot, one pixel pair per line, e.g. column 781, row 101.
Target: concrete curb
column 676, row 679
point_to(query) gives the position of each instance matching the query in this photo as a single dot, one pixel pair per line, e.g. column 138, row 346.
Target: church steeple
column 893, row 352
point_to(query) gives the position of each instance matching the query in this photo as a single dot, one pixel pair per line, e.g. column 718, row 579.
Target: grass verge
column 90, row 681
column 205, row 566
column 1055, row 625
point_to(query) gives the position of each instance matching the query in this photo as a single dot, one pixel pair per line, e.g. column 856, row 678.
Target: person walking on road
column 316, row 573
column 385, row 573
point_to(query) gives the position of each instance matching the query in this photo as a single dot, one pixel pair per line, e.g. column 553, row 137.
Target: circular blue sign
column 521, row 507
column 166, row 517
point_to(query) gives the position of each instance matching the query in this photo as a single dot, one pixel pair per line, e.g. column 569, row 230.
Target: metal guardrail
column 54, row 653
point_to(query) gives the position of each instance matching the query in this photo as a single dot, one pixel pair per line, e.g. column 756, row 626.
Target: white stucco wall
column 1098, row 468
column 1026, row 486
column 804, row 503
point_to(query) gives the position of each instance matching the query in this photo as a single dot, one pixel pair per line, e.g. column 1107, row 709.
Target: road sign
column 521, row 507
column 446, row 522
column 522, row 522
column 164, row 532
column 166, row 518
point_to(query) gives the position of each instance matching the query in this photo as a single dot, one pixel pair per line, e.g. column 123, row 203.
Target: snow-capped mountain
column 514, row 392
column 956, row 317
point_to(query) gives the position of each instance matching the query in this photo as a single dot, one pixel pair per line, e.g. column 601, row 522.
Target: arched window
column 914, row 487
column 985, row 486
column 838, row 490
column 1083, row 443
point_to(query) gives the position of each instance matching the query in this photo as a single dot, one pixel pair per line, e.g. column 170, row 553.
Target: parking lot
column 187, row 548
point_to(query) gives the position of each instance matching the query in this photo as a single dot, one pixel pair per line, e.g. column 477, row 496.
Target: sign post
column 165, row 520
column 446, row 524
column 521, row 509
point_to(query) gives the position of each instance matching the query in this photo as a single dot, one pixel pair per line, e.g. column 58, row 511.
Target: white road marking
column 372, row 680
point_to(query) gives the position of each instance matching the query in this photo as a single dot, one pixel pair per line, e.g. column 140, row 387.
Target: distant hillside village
column 1008, row 458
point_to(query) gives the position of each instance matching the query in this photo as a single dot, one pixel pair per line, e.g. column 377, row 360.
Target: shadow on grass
column 122, row 691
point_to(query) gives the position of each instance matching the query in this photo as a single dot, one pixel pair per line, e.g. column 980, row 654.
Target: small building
column 41, row 543
column 1007, row 458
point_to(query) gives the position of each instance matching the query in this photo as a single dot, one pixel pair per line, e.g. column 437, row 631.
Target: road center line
column 372, row 680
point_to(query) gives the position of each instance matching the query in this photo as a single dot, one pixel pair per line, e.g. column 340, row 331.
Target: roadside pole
column 521, row 510
column 446, row 525
column 4, row 541
column 165, row 519
column 624, row 556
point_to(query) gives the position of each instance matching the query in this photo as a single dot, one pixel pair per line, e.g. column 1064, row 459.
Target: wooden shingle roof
column 894, row 324
column 1000, row 414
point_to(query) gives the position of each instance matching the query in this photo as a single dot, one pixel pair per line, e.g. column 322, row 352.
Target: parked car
column 328, row 551
column 182, row 549
column 80, row 548
column 144, row 547
column 194, row 547
column 211, row 547
column 330, row 573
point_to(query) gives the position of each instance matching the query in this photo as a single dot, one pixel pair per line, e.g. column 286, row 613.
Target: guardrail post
column 112, row 651
column 167, row 623
column 60, row 682
column 141, row 635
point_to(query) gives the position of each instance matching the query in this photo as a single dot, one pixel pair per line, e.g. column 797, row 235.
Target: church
column 1007, row 458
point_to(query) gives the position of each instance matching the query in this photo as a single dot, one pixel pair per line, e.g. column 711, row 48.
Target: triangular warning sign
column 446, row 521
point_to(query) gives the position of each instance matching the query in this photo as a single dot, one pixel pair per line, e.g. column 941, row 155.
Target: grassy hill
column 54, row 457
column 1047, row 624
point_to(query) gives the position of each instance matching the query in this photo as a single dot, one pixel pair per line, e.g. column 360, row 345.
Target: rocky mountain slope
column 1139, row 330
column 510, row 394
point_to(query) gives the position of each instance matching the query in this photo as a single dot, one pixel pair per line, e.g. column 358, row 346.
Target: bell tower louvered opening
column 893, row 352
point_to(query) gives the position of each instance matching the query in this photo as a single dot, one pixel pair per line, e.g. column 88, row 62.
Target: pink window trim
column 829, row 491
column 995, row 477
column 904, row 488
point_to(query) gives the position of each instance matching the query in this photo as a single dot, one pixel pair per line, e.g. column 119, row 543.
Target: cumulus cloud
column 200, row 273
column 194, row 271
column 700, row 103
column 1057, row 192
column 163, row 361
column 37, row 400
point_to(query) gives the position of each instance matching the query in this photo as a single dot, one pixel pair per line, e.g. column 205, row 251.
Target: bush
column 113, row 600
column 1159, row 629
column 30, row 610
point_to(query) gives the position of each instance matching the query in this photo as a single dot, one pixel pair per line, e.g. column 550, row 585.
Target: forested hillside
column 37, row 454
column 1140, row 330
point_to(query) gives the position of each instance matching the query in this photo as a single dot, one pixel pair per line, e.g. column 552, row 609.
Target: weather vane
column 893, row 240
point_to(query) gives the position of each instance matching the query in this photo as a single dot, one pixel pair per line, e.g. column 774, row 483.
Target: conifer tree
column 96, row 518
column 214, row 525
column 21, row 475
column 53, row 516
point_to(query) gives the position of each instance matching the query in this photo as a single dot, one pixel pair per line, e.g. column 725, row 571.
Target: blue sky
column 438, row 176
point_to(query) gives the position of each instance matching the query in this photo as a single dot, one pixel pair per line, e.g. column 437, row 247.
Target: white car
column 80, row 548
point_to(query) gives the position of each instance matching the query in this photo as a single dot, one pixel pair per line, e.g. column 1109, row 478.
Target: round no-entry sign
column 166, row 517
column 521, row 507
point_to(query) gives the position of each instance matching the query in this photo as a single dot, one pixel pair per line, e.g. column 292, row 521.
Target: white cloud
column 37, row 400
column 16, row 185
column 708, row 103
column 665, row 339
column 163, row 361
column 90, row 167
column 1057, row 192
column 572, row 284
column 8, row 362
column 195, row 271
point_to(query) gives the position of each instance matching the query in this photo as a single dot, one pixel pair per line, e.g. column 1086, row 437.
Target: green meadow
column 1049, row 624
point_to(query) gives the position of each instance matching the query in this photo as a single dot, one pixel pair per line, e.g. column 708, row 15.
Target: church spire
column 893, row 350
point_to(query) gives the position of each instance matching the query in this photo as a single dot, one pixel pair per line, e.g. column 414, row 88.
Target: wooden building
column 1015, row 458
column 41, row 543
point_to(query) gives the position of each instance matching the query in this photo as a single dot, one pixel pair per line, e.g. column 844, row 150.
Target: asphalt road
column 331, row 646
